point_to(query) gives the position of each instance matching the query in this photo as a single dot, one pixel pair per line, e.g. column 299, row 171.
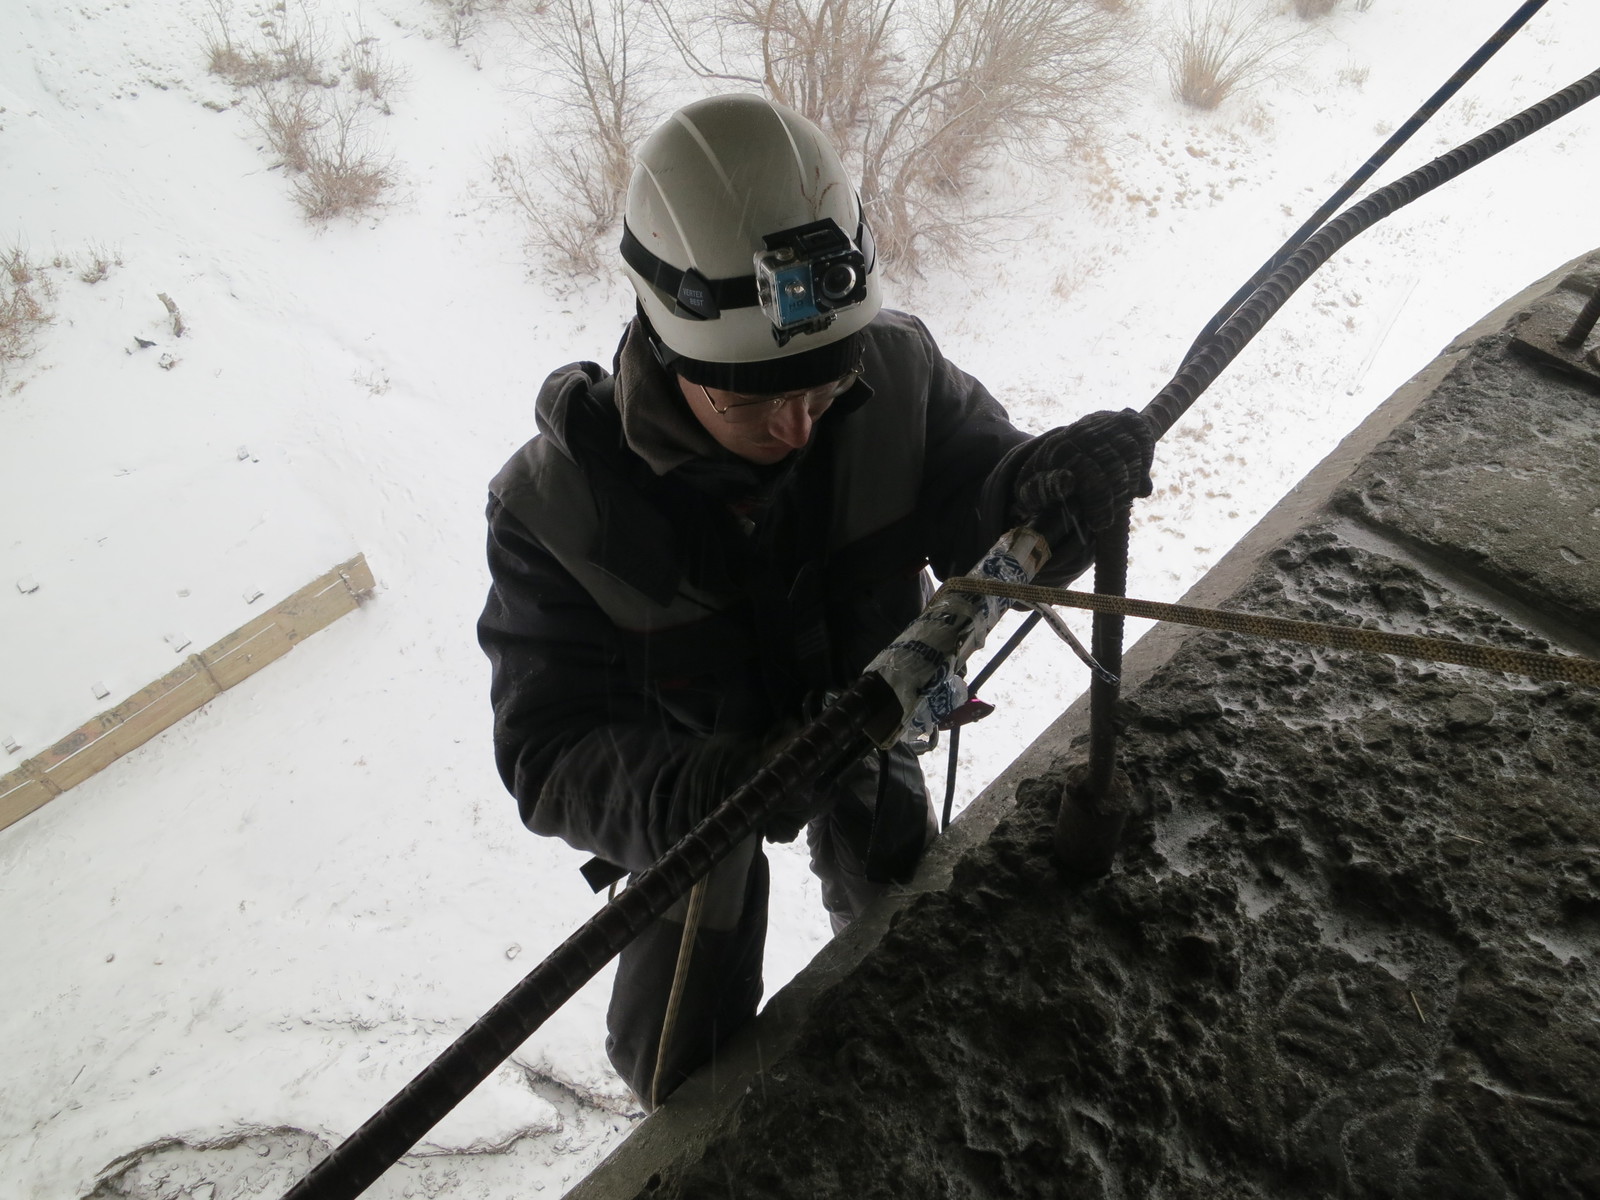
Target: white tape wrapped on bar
column 923, row 664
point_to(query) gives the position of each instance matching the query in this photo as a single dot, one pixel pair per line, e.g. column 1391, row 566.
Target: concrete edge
column 695, row 1113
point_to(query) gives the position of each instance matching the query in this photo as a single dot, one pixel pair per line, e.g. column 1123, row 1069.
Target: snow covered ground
column 267, row 919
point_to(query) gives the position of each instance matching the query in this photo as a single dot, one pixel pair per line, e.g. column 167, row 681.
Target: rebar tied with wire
column 1095, row 802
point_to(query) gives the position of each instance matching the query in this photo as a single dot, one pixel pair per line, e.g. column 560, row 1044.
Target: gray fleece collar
column 656, row 423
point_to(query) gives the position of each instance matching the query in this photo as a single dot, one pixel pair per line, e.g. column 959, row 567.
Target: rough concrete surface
column 1351, row 945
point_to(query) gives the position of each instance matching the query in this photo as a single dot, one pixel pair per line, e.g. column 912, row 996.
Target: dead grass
column 1222, row 47
column 25, row 298
column 1355, row 76
column 100, row 261
column 294, row 47
column 1310, row 10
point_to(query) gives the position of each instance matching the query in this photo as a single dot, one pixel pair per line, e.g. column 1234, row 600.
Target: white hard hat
column 745, row 242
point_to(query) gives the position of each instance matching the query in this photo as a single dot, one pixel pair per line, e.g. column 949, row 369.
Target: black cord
column 989, row 668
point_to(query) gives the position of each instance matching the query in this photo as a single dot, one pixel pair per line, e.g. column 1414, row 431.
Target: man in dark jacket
column 699, row 546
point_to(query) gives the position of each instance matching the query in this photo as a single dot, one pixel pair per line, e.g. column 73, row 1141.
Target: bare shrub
column 1221, row 47
column 593, row 77
column 346, row 175
column 831, row 61
column 298, row 44
column 289, row 118
column 569, row 227
column 461, row 19
column 25, row 295
column 316, row 127
column 924, row 103
column 1310, row 10
column 370, row 71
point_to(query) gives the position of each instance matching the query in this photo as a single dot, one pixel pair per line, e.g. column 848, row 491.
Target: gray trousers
column 723, row 983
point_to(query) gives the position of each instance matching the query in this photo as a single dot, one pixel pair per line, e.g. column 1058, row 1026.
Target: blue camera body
column 808, row 274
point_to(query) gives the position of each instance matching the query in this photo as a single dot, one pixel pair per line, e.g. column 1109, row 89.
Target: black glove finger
column 1123, row 450
column 1140, row 429
column 1102, row 493
column 1044, row 492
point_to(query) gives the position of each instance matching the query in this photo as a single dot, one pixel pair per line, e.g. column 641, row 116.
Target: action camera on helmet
column 806, row 275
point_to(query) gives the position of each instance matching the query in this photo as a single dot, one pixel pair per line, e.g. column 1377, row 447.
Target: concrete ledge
column 1326, row 963
column 96, row 744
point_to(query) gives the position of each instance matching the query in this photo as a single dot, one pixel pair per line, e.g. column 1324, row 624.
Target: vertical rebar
column 1110, row 579
column 1096, row 799
column 1584, row 325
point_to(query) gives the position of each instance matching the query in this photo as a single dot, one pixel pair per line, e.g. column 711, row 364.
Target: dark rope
column 982, row 677
column 1312, row 224
column 950, row 778
column 1382, row 155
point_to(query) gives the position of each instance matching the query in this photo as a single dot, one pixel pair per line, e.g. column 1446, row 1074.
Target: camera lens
column 838, row 281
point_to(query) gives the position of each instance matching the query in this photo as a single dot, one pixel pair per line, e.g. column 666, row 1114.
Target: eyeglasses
column 743, row 409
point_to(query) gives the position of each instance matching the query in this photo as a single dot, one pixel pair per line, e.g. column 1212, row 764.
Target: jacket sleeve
column 587, row 754
column 973, row 457
column 971, row 454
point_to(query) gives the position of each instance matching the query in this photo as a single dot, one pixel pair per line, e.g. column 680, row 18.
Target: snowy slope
column 271, row 916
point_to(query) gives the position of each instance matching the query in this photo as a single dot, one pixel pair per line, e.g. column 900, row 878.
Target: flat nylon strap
column 736, row 292
column 1569, row 667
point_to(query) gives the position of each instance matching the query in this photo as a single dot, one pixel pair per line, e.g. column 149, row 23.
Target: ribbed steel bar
column 835, row 736
column 1584, row 325
column 1367, row 169
column 1203, row 367
column 1110, row 579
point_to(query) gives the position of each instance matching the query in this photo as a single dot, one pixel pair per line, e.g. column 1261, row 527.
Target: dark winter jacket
column 651, row 589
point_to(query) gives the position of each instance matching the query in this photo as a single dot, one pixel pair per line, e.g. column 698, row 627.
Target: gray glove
column 1092, row 469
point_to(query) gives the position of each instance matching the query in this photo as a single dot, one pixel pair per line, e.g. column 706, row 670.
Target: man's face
column 761, row 429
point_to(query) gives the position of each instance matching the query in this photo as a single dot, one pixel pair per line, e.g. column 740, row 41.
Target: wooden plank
column 20, row 794
column 93, row 747
column 99, row 742
column 275, row 632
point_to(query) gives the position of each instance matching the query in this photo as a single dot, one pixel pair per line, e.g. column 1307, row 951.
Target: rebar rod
column 1203, row 367
column 831, row 739
column 1367, row 169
